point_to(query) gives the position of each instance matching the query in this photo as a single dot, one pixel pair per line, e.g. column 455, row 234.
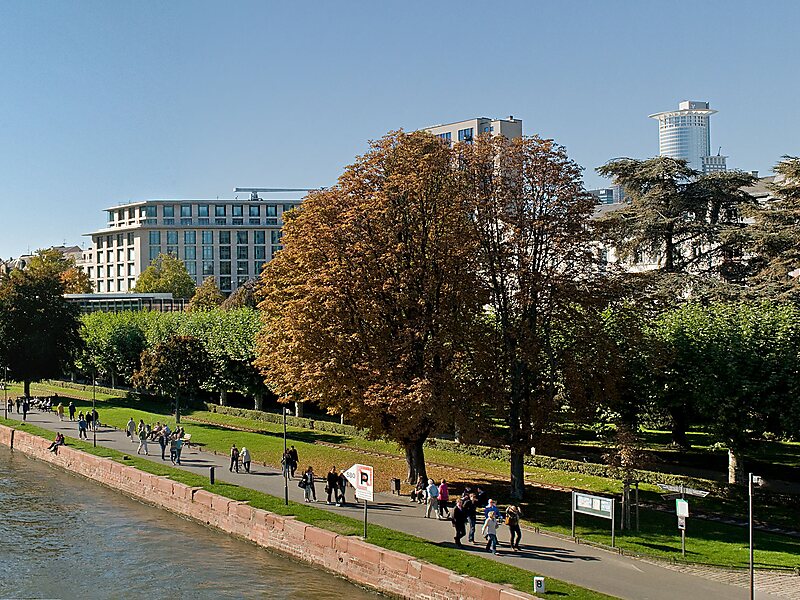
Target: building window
column 191, row 268
column 219, row 210
column 100, row 286
column 189, row 237
column 154, row 252
column 99, row 243
column 189, row 252
column 275, row 250
column 237, row 210
column 130, row 269
column 446, row 137
column 168, row 210
column 155, row 238
column 208, row 252
column 241, row 267
column 172, row 238
column 225, row 284
column 120, row 255
column 109, row 256
column 202, row 210
column 208, row 267
column 208, row 237
column 109, row 271
column 224, row 237
column 241, row 237
column 288, row 207
column 254, row 210
column 120, row 239
column 120, row 270
column 241, row 252
column 272, row 210
column 465, row 135
column 225, row 252
column 186, row 210
column 260, row 252
column 172, row 251
column 225, row 268
column 275, row 236
column 130, row 239
column 131, row 253
column 259, row 237
column 219, row 221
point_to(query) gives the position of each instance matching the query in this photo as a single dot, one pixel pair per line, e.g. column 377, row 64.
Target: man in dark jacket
column 459, row 521
column 332, row 486
column 471, row 509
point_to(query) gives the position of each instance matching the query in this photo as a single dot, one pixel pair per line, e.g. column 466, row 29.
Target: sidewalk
column 585, row 566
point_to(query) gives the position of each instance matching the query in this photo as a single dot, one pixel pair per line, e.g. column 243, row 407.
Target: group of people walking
column 158, row 433
column 242, row 455
column 465, row 513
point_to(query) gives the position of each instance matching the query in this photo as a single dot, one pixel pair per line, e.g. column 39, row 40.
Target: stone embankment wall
column 384, row 570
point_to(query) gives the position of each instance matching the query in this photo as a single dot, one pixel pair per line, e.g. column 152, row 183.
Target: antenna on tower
column 719, row 152
column 254, row 191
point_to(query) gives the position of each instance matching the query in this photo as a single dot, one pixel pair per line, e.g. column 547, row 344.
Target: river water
column 62, row 536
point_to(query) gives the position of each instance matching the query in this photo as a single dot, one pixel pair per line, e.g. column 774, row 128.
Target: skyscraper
column 685, row 133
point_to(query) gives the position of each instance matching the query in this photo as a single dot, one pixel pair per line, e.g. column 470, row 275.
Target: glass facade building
column 685, row 133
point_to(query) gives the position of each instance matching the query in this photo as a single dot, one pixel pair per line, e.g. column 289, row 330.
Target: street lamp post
column 94, row 420
column 5, row 392
column 285, row 463
column 751, row 481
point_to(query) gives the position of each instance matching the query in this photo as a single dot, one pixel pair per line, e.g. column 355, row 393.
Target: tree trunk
column 735, row 467
column 680, row 423
column 341, row 419
column 113, row 380
column 298, row 409
column 27, row 388
column 415, row 461
column 517, row 473
column 223, row 398
column 259, row 401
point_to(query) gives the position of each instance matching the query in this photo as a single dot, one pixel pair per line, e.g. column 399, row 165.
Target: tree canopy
column 207, row 296
column 367, row 307
column 38, row 327
column 167, row 275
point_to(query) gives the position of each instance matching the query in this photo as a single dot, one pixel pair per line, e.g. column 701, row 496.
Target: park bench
column 187, row 439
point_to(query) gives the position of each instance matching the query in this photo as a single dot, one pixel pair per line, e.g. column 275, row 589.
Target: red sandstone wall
column 389, row 572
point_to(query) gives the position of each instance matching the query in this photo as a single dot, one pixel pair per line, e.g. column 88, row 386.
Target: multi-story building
column 227, row 239
column 610, row 195
column 466, row 131
column 685, row 133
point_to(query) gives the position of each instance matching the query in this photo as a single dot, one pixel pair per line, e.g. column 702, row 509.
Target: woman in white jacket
column 490, row 532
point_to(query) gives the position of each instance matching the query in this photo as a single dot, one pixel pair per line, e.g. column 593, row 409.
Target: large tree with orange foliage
column 367, row 310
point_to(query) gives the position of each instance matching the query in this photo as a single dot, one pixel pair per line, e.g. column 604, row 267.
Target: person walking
column 444, row 498
column 25, row 408
column 95, row 419
column 19, row 405
column 433, row 499
column 286, row 465
column 178, row 450
column 471, row 510
column 491, row 508
column 131, row 429
column 89, row 419
column 460, row 521
column 490, row 532
column 142, row 442
column 162, row 441
column 342, row 488
column 10, row 405
column 82, row 427
column 234, row 459
column 294, row 460
column 513, row 515
column 60, row 411
column 71, row 410
column 245, row 459
column 308, row 485
column 332, row 486
column 173, row 449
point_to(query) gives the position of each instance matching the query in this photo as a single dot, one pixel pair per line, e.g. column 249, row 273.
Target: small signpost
column 597, row 506
column 682, row 510
column 682, row 506
column 362, row 478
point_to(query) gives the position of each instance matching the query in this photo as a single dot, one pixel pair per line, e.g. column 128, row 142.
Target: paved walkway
column 586, row 566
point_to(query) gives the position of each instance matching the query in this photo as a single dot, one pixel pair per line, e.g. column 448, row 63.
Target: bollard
column 211, row 474
column 538, row 585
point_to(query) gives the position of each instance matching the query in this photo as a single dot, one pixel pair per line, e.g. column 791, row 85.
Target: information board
column 597, row 506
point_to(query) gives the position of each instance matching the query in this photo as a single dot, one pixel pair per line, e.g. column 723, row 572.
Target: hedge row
column 303, row 422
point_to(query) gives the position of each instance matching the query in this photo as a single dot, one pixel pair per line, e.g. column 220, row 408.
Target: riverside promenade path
column 586, row 566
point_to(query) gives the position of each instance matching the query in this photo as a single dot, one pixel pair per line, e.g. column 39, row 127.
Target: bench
column 187, row 439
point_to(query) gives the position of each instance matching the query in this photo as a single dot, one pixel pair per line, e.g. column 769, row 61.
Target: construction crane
column 254, row 191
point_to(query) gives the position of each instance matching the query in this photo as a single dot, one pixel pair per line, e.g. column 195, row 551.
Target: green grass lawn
column 450, row 558
column 709, row 542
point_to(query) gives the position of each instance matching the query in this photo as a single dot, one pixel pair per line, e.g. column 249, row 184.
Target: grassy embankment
column 450, row 558
column 707, row 542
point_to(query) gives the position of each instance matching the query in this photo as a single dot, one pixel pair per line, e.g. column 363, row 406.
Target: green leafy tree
column 176, row 368
column 744, row 370
column 367, row 308
column 167, row 275
column 206, row 297
column 38, row 327
column 684, row 223
column 112, row 345
column 774, row 237
column 51, row 262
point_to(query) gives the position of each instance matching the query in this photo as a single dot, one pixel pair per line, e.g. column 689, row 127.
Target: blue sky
column 109, row 101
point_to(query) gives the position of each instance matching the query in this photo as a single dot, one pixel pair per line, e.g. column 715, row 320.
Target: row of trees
column 436, row 288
